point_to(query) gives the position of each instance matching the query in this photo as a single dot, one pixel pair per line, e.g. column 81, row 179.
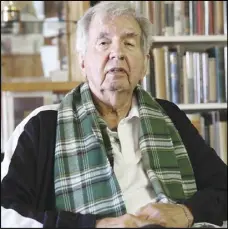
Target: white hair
column 112, row 8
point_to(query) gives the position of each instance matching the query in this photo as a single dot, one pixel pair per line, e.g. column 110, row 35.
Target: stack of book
column 213, row 128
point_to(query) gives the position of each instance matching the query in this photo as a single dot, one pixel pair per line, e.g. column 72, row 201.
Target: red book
column 211, row 17
column 200, row 17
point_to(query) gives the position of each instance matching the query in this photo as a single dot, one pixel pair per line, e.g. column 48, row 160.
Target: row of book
column 213, row 128
column 174, row 18
column 188, row 77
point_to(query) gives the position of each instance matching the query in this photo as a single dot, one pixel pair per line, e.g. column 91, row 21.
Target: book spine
column 197, row 83
column 180, row 54
column 200, row 66
column 218, row 18
column 186, row 20
column 174, row 77
column 167, row 72
column 139, row 7
column 185, row 80
column 200, row 17
column 157, row 21
column 178, row 18
column 220, row 74
column 162, row 18
column 209, row 17
column 225, row 48
column 159, row 62
column 169, row 18
column 190, row 76
column 205, row 78
column 212, row 75
column 225, row 66
column 225, row 17
column 192, row 17
column 222, row 130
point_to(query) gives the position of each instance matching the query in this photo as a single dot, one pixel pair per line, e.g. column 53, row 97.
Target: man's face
column 114, row 60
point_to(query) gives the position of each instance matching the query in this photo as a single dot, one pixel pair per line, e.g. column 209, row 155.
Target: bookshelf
column 39, row 86
column 207, row 41
column 39, row 65
column 203, row 106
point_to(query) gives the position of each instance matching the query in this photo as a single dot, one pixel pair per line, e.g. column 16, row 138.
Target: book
column 189, row 17
column 174, row 76
column 169, row 18
column 220, row 74
column 212, row 126
column 159, row 63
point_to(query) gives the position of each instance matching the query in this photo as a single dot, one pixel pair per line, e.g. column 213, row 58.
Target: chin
column 118, row 87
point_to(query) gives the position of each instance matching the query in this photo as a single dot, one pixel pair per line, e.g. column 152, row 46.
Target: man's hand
column 124, row 221
column 167, row 215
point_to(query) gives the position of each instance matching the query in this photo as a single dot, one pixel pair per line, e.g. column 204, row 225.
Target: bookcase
column 188, row 63
column 38, row 62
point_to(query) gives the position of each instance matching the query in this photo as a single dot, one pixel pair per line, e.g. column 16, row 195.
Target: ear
column 146, row 65
column 81, row 59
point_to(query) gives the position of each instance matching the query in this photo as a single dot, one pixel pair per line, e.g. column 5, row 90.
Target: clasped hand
column 166, row 215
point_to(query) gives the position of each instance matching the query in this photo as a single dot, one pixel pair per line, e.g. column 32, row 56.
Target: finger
column 143, row 216
column 143, row 222
column 144, row 209
column 141, row 210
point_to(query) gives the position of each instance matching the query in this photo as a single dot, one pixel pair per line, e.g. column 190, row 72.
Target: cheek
column 137, row 69
column 93, row 67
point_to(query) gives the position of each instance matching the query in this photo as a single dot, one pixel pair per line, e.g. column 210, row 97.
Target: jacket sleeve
column 18, row 186
column 209, row 203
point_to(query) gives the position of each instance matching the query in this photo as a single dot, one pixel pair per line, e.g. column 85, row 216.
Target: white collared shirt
column 134, row 183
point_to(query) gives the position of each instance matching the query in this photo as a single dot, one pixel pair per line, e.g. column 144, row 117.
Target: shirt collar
column 134, row 112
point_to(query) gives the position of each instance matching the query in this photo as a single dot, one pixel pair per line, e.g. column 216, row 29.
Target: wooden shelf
column 190, row 40
column 202, row 106
column 39, row 86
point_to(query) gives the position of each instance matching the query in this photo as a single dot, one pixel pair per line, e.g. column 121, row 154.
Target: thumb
column 140, row 211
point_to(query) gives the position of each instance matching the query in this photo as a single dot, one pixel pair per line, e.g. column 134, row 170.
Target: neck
column 112, row 113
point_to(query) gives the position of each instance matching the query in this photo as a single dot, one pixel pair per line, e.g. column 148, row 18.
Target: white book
column 205, row 78
column 197, row 69
column 225, row 16
column 178, row 18
column 190, row 78
column 225, row 66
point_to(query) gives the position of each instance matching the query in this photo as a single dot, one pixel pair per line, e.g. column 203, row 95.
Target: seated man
column 110, row 155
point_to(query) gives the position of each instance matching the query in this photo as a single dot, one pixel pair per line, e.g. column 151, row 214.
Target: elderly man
column 110, row 155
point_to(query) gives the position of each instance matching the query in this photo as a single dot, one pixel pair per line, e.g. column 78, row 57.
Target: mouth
column 116, row 70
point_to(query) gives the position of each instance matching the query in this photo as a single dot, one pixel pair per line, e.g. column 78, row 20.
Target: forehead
column 118, row 25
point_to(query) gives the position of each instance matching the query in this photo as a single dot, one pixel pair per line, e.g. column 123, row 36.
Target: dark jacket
column 27, row 188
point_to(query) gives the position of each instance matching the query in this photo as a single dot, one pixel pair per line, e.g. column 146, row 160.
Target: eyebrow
column 130, row 34
column 125, row 34
column 102, row 35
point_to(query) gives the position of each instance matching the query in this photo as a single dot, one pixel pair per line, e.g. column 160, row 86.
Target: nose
column 117, row 52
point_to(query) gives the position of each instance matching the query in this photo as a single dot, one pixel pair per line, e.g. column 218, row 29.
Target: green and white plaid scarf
column 83, row 176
